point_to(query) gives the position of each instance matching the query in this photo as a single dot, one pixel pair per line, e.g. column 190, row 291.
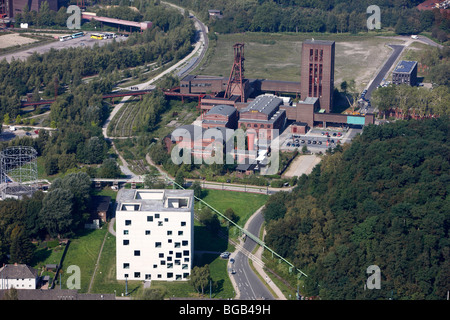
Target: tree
column 6, row 119
column 179, row 179
column 56, row 212
column 21, row 249
column 51, row 165
column 197, row 189
column 109, row 169
column 229, row 213
column 209, row 219
column 79, row 185
column 200, row 278
column 274, row 210
column 45, row 16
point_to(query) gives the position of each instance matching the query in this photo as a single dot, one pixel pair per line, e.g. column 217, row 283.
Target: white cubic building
column 154, row 234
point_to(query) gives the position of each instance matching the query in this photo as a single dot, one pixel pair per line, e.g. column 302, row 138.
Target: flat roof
column 222, row 109
column 154, row 200
column 266, row 104
column 314, row 41
column 405, row 66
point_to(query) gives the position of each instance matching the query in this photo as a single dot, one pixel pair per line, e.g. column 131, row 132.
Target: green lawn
column 357, row 56
column 83, row 252
column 243, row 204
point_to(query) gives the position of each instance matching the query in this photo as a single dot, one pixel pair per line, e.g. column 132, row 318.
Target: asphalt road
column 384, row 70
column 249, row 284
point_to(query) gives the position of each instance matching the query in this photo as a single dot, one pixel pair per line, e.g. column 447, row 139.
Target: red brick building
column 17, row 6
column 264, row 116
column 220, row 116
column 317, row 76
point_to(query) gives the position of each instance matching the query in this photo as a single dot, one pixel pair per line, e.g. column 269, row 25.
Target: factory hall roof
column 265, row 104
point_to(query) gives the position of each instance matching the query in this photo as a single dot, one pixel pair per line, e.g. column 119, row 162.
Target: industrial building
column 315, row 89
column 220, row 116
column 12, row 7
column 317, row 76
column 264, row 116
column 154, row 234
column 405, row 73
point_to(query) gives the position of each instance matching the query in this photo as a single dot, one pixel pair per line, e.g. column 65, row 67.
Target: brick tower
column 317, row 73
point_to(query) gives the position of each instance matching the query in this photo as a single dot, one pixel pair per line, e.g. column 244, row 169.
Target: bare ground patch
column 303, row 164
column 14, row 39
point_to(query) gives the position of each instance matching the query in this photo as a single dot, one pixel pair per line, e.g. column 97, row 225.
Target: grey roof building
column 19, row 276
column 405, row 73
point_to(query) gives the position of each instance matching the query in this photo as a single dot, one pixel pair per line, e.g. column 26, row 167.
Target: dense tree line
column 318, row 16
column 383, row 200
column 411, row 101
column 58, row 213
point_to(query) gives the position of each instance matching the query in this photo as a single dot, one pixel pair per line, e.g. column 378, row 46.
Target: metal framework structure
column 18, row 171
column 236, row 79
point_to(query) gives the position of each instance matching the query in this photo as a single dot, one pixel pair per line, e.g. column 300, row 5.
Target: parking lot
column 317, row 139
column 85, row 41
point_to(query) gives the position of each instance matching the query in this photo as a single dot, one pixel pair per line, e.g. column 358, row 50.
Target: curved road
column 249, row 284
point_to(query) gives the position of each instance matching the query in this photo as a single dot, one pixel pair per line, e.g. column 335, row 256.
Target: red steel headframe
column 235, row 82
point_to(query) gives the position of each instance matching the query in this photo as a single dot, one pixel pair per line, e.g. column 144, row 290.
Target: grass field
column 278, row 56
column 243, row 204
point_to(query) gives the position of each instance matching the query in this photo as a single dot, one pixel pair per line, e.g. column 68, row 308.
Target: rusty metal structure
column 235, row 84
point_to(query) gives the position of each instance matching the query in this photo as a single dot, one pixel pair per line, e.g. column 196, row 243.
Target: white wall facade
column 29, row 283
column 154, row 234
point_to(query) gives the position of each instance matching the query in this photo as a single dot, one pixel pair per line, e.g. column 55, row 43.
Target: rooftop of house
column 18, row 271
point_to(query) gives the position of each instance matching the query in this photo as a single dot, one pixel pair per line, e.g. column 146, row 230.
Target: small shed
column 100, row 207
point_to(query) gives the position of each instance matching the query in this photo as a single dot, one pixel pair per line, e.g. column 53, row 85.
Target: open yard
column 278, row 57
column 14, row 39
